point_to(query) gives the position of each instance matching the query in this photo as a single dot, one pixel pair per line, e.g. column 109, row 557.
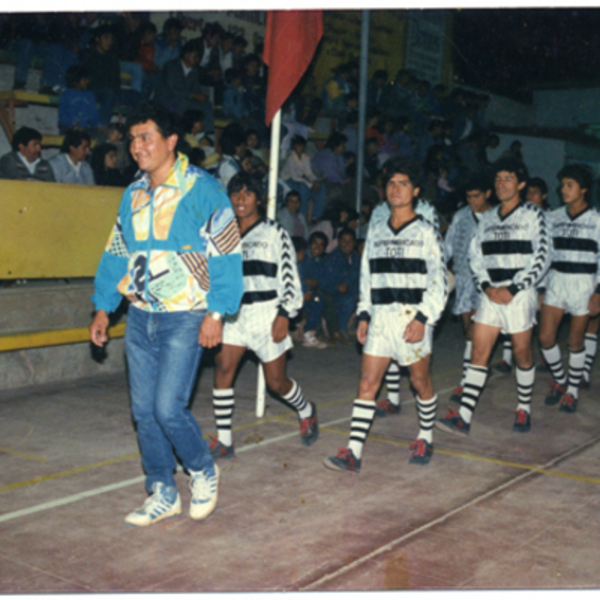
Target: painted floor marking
column 23, row 455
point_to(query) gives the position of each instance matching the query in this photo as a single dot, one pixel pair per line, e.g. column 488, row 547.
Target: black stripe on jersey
column 507, row 247
column 252, row 297
column 391, row 295
column 582, row 244
column 569, row 267
column 398, row 265
column 260, row 267
column 502, row 274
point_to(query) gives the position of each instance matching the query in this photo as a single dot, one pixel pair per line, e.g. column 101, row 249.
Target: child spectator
column 116, row 133
column 233, row 148
column 197, row 157
column 192, row 124
column 233, row 100
column 145, row 57
column 104, row 166
column 77, row 105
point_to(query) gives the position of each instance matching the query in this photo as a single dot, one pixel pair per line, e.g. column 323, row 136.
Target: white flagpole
column 271, row 209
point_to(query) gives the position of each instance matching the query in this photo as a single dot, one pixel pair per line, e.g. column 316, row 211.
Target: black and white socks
column 223, row 404
column 363, row 413
column 474, row 382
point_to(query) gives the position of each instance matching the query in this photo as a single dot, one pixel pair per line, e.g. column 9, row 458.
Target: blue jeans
column 162, row 356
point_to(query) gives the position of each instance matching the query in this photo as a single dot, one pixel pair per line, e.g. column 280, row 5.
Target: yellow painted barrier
column 39, row 339
column 54, row 230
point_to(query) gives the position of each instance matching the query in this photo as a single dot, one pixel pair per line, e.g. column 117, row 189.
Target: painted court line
column 390, row 546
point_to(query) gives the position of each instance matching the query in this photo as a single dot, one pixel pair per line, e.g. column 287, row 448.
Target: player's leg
column 391, row 404
column 568, row 402
column 420, row 379
column 484, row 338
column 289, row 391
column 363, row 413
column 468, row 325
column 521, row 342
column 505, row 364
column 226, row 364
column 591, row 346
column 549, row 322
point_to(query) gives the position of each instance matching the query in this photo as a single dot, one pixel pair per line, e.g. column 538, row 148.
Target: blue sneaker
column 204, row 486
column 162, row 504
column 309, row 428
column 344, row 460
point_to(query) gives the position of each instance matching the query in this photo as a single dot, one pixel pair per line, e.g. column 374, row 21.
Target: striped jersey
column 511, row 250
column 575, row 242
column 382, row 212
column 403, row 267
column 270, row 271
column 458, row 239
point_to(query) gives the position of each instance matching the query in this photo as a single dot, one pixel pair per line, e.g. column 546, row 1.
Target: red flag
column 291, row 39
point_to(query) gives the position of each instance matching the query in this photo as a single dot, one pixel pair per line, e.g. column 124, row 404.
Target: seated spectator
column 255, row 94
column 351, row 132
column 372, row 127
column 312, row 307
column 335, row 89
column 333, row 221
column 116, row 134
column 329, row 162
column 70, row 164
column 168, row 44
column 290, row 217
column 233, row 149
column 233, row 100
column 403, row 138
column 253, row 144
column 192, row 124
column 180, row 90
column 376, row 89
column 226, row 51
column 24, row 162
column 342, row 268
column 77, row 105
column 197, row 157
column 299, row 175
column 239, row 52
column 145, row 57
column 104, row 166
column 128, row 39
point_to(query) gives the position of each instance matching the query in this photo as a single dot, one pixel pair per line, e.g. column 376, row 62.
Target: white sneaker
column 205, row 489
column 311, row 341
column 162, row 504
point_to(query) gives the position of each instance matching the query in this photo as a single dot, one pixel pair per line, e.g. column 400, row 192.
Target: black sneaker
column 568, row 403
column 503, row 367
column 344, row 460
column 422, row 452
column 385, row 407
column 453, row 423
column 522, row 421
column 555, row 394
column 309, row 428
column 456, row 394
column 220, row 450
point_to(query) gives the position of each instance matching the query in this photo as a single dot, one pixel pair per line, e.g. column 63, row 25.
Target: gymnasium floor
column 496, row 510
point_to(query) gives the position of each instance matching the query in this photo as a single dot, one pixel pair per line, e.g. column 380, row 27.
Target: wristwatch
column 214, row 315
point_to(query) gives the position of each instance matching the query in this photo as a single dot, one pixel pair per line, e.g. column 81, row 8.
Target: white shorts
column 384, row 336
column 516, row 316
column 251, row 328
column 466, row 297
column 569, row 292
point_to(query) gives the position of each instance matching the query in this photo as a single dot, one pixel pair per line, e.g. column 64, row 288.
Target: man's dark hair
column 231, row 74
column 291, row 194
column 147, row 26
column 298, row 140
column 405, row 166
column 74, row 137
column 318, row 235
column 249, row 181
column 196, row 156
column 172, row 23
column 23, row 136
column 190, row 118
column 352, row 117
column 582, row 174
column 478, row 181
column 299, row 243
column 188, row 47
column 335, row 139
column 74, row 74
column 240, row 40
column 539, row 183
column 347, row 231
column 511, row 165
column 251, row 58
column 165, row 120
column 232, row 137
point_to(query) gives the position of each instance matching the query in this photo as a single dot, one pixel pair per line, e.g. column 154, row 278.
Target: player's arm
column 364, row 307
column 594, row 304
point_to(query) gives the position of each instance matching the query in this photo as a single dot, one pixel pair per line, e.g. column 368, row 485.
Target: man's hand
column 280, row 328
column 594, row 305
column 361, row 332
column 308, row 296
column 211, row 332
column 98, row 329
column 414, row 332
column 499, row 295
column 343, row 288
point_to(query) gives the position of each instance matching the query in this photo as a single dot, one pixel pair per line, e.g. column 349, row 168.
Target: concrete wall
column 567, row 108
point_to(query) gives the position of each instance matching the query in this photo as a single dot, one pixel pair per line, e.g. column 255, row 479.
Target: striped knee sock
column 426, row 410
column 525, row 380
column 363, row 413
column 295, row 398
column 392, row 383
column 223, row 404
column 466, row 360
column 554, row 361
column 576, row 363
column 507, row 350
column 474, row 382
column 591, row 345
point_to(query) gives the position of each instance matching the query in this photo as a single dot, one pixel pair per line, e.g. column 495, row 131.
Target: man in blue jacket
column 175, row 253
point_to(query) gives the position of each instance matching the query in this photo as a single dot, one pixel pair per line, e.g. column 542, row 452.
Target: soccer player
column 508, row 256
column 573, row 282
column 456, row 244
column 272, row 296
column 403, row 290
